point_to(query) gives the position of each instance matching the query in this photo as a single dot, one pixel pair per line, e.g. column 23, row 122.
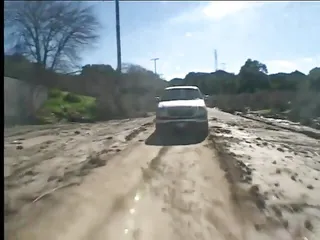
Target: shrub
column 55, row 93
column 71, row 98
column 280, row 106
column 305, row 107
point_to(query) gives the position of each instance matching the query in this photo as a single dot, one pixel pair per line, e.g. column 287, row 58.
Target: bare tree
column 50, row 33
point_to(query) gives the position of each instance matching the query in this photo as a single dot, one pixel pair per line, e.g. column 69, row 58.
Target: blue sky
column 283, row 35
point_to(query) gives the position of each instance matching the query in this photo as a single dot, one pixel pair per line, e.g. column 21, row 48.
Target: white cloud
column 168, row 77
column 220, row 9
column 284, row 65
column 180, row 72
column 308, row 60
column 188, row 34
column 215, row 10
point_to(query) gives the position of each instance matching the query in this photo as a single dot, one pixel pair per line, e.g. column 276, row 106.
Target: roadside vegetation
column 64, row 106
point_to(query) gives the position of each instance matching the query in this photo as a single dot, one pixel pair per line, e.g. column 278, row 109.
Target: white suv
column 182, row 107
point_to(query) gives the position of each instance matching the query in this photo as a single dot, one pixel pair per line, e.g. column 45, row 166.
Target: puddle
column 132, row 211
column 140, row 218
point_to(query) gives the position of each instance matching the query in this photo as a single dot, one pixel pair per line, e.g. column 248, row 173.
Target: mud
column 280, row 169
column 120, row 180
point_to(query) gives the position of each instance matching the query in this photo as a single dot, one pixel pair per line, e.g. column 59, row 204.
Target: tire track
column 124, row 205
column 309, row 133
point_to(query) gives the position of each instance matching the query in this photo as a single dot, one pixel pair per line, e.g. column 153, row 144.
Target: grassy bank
column 65, row 106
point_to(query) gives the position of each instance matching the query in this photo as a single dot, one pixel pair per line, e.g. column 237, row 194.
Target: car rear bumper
column 175, row 121
column 191, row 124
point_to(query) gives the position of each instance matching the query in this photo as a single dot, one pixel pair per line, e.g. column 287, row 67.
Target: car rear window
column 181, row 94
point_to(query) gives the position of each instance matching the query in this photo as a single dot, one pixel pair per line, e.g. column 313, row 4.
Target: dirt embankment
column 234, row 185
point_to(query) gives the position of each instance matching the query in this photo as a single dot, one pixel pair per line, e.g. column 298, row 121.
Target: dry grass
column 303, row 106
column 255, row 101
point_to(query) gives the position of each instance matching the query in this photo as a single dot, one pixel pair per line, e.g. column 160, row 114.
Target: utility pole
column 155, row 64
column 117, row 93
column 118, row 36
column 216, row 59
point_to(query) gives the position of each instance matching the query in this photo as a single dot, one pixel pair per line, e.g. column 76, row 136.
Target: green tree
column 253, row 76
column 314, row 76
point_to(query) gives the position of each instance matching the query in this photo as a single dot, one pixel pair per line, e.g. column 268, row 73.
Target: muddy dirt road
column 118, row 180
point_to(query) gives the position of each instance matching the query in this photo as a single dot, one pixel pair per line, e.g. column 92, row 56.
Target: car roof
column 182, row 87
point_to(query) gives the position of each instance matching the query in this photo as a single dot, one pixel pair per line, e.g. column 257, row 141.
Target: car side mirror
column 157, row 99
column 206, row 97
